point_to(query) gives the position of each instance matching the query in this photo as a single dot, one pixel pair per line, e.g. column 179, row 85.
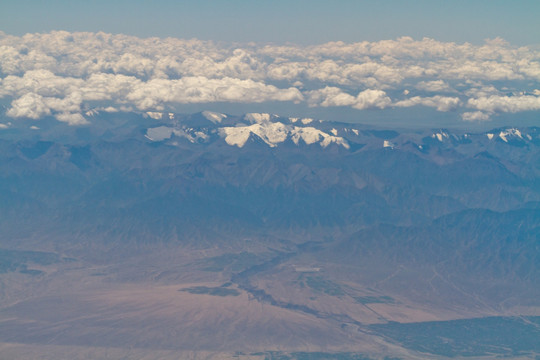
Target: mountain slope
column 325, row 225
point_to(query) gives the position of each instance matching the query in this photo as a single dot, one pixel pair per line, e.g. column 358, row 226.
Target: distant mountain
column 260, row 170
column 319, row 218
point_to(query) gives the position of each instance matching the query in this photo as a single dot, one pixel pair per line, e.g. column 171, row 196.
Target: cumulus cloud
column 371, row 99
column 510, row 104
column 61, row 73
column 330, row 96
column 482, row 91
column 475, row 116
column 29, row 106
column 71, row 118
column 434, row 86
column 441, row 103
column 333, row 96
column 43, row 93
column 156, row 92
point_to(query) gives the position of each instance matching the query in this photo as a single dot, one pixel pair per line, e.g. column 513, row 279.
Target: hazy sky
column 298, row 21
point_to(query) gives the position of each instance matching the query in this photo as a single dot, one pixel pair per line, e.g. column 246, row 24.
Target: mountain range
column 267, row 236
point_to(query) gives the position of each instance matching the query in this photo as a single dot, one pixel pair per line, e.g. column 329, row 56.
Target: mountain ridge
column 421, row 227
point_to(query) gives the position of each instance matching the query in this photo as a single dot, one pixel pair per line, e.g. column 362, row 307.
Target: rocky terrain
column 149, row 235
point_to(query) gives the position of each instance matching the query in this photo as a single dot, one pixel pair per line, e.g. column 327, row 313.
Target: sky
column 298, row 21
column 461, row 62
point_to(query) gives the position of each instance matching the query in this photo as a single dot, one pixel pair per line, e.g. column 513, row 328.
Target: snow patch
column 161, row 133
column 311, row 135
column 275, row 133
column 490, row 136
column 440, row 136
column 388, row 144
column 328, row 139
column 214, row 117
column 510, row 133
column 201, row 135
column 270, row 133
column 334, row 131
column 354, row 131
column 154, row 115
column 257, row 118
column 91, row 112
column 304, row 121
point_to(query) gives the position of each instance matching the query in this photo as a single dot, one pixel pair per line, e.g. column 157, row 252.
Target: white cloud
column 475, row 116
column 71, row 118
column 155, row 93
column 441, row 103
column 333, row 96
column 42, row 82
column 330, row 96
column 368, row 99
column 29, row 106
column 102, row 86
column 60, row 73
column 482, row 91
column 434, row 86
column 510, row 104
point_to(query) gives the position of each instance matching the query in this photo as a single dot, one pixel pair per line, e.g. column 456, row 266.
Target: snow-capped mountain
column 266, row 127
column 274, row 130
column 254, row 154
column 340, row 227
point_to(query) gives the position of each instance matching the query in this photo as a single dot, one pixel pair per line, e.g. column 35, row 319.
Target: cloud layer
column 63, row 74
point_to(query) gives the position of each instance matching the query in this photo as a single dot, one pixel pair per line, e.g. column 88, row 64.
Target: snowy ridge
column 275, row 133
column 161, row 133
column 92, row 112
column 510, row 133
column 214, row 117
column 270, row 133
column 304, row 121
column 440, row 136
column 264, row 126
column 154, row 115
column 274, row 130
column 258, row 118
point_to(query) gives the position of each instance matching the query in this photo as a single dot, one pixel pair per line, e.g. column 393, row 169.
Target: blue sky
column 297, row 21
